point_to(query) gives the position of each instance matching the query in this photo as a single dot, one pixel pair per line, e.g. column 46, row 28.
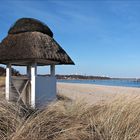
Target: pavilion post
column 29, row 71
column 52, row 69
column 33, row 78
column 8, row 81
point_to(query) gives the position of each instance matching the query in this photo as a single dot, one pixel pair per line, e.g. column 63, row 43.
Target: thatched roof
column 29, row 25
column 32, row 46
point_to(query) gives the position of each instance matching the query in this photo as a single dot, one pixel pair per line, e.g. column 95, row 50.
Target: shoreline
column 58, row 82
column 110, row 82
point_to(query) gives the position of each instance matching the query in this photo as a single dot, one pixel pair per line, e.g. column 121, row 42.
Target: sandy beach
column 91, row 93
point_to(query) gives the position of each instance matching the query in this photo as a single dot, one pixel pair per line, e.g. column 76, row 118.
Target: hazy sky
column 101, row 36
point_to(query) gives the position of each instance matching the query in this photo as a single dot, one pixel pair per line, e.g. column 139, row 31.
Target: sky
column 101, row 36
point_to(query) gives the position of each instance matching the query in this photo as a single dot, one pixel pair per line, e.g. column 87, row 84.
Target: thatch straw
column 32, row 46
column 29, row 25
column 30, row 40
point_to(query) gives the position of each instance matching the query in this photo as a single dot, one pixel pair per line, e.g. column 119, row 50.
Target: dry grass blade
column 67, row 120
column 10, row 119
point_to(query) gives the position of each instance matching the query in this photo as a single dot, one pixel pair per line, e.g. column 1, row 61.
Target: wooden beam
column 8, row 81
column 26, row 62
column 20, row 98
column 29, row 71
column 52, row 69
column 33, row 82
column 21, row 93
column 46, row 62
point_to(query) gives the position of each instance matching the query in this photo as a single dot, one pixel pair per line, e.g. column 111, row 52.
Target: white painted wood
column 33, row 81
column 19, row 95
column 8, row 81
column 52, row 67
column 45, row 90
column 42, row 88
column 20, row 90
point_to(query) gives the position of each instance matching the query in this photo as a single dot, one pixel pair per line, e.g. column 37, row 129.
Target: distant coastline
column 84, row 77
column 81, row 77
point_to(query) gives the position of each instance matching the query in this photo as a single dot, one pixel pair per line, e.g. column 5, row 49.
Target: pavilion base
column 35, row 92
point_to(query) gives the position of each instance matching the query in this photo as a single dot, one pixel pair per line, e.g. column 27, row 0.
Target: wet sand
column 91, row 93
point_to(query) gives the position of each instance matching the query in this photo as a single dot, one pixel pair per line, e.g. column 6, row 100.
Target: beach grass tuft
column 63, row 120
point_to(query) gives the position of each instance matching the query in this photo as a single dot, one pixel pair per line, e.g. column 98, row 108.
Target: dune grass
column 63, row 120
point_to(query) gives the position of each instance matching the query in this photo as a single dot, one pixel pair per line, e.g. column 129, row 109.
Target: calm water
column 124, row 83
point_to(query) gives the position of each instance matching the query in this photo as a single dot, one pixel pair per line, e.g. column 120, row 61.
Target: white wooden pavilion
column 30, row 43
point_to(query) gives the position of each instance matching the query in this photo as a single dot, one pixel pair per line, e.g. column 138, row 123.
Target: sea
column 109, row 82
